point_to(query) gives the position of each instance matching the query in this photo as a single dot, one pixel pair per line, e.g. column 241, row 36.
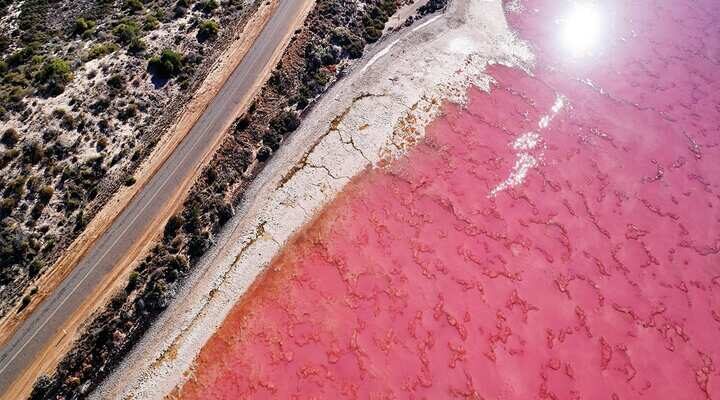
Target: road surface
column 34, row 335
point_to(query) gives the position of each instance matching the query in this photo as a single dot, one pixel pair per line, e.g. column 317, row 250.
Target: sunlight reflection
column 582, row 28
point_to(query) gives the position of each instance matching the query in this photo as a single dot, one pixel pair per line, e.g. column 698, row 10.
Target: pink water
column 596, row 277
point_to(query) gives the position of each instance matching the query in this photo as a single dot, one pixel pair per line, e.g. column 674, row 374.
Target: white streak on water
column 524, row 145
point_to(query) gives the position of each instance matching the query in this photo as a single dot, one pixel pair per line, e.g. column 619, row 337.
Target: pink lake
column 593, row 272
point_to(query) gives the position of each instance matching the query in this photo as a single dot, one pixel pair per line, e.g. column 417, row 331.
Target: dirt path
column 55, row 348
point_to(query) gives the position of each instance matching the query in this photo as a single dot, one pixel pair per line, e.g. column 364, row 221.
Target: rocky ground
column 335, row 32
column 87, row 88
column 374, row 114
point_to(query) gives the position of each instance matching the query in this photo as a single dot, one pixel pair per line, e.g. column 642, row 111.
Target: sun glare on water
column 582, row 28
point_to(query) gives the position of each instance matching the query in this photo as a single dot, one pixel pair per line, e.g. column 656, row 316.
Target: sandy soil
column 374, row 114
column 221, row 71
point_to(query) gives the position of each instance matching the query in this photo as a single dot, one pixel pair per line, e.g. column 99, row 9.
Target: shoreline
column 354, row 126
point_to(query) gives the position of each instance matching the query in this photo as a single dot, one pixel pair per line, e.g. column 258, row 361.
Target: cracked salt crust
column 378, row 111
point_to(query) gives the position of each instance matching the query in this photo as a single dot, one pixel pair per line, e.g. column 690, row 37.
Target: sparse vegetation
column 167, row 65
column 70, row 114
column 10, row 137
column 208, row 29
column 285, row 122
column 209, row 6
column 151, row 23
column 53, row 76
column 432, row 6
column 100, row 50
column 83, row 26
column 126, row 32
column 46, row 193
column 134, row 5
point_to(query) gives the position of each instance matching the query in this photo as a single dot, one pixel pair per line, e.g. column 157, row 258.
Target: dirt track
column 136, row 215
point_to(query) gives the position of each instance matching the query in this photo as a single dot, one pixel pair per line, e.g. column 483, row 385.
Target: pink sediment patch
column 595, row 275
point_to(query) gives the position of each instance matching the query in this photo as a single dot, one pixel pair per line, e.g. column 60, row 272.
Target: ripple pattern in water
column 558, row 238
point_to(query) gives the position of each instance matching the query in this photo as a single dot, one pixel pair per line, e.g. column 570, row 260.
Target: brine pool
column 558, row 237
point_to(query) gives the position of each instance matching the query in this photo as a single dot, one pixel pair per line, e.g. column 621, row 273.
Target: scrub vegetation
column 81, row 84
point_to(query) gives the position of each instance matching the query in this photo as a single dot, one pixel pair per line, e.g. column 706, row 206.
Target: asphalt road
column 32, row 337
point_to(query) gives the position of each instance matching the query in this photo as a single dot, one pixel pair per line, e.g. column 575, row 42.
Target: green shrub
column 11, row 154
column 173, row 226
column 151, row 23
column 129, row 180
column 53, row 76
column 80, row 221
column 68, row 121
column 197, row 245
column 41, row 387
column 134, row 5
column 46, row 193
column 350, row 42
column 389, row 7
column 83, row 26
column 207, row 29
column 272, row 140
column 286, row 121
column 264, row 153
column 59, row 112
column 33, row 153
column 130, row 111
column 22, row 56
column 132, row 281
column 374, row 21
column 35, row 267
column 7, row 205
column 126, row 31
column 32, row 183
column 17, row 185
column 177, row 262
column 137, row 45
column 372, row 34
column 225, row 212
column 209, row 5
column 25, row 302
column 10, row 137
column 167, row 65
column 116, row 81
column 193, row 222
column 4, row 43
column 100, row 50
